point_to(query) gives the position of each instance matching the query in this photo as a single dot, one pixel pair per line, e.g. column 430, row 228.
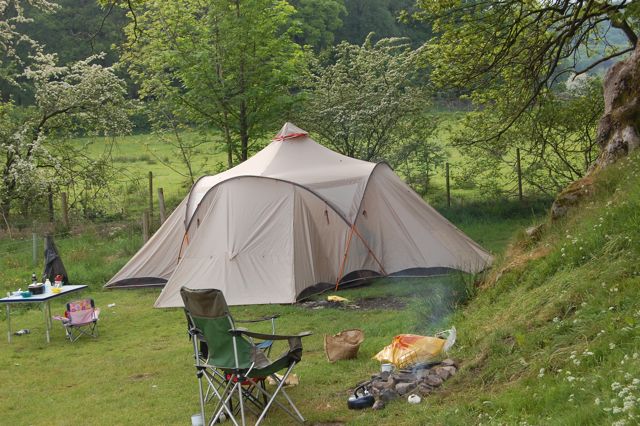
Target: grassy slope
column 555, row 340
column 139, row 371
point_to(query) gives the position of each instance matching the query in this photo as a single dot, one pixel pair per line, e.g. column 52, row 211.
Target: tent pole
column 185, row 241
column 344, row 259
column 370, row 251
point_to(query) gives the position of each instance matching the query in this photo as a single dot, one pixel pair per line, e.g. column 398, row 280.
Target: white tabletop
column 44, row 296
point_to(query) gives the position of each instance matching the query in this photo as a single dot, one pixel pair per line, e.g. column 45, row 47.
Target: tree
column 78, row 29
column 384, row 18
column 510, row 53
column 418, row 155
column 556, row 139
column 82, row 97
column 359, row 104
column 319, row 20
column 227, row 65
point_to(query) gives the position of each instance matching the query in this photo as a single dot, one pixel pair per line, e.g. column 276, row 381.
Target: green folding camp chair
column 235, row 368
column 216, row 379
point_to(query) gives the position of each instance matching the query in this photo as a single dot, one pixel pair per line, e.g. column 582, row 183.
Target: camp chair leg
column 275, row 393
column 239, row 384
column 222, row 405
column 199, row 374
column 292, row 405
column 279, row 404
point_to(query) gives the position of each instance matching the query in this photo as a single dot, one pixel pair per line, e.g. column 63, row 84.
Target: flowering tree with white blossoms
column 80, row 98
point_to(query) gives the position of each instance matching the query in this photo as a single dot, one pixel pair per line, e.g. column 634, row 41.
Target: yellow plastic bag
column 337, row 299
column 407, row 349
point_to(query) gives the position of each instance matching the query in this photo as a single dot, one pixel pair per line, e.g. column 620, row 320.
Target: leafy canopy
column 80, row 98
column 508, row 52
column 361, row 103
column 227, row 64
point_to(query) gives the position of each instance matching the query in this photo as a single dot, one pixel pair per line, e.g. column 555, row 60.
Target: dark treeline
column 80, row 28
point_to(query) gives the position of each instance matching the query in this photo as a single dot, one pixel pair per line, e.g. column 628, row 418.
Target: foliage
column 79, row 98
column 509, row 57
column 384, row 18
column 362, row 104
column 509, row 52
column 227, row 65
column 556, row 139
column 78, row 29
column 419, row 154
column 319, row 20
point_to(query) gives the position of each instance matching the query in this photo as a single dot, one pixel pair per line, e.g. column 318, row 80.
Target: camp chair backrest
column 81, row 311
column 210, row 314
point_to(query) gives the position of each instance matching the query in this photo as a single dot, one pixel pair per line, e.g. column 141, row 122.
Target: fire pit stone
column 422, row 379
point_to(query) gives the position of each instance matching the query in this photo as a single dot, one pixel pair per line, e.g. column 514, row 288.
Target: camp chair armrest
column 263, row 336
column 267, row 318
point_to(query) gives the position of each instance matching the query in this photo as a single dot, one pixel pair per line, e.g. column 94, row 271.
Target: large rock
column 450, row 369
column 433, row 380
column 442, row 372
column 378, row 405
column 388, row 395
column 448, row 362
column 405, row 387
column 424, row 390
column 618, row 129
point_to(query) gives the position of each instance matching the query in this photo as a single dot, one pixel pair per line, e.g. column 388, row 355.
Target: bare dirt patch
column 367, row 303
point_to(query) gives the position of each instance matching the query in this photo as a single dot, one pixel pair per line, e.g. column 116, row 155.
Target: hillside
column 553, row 335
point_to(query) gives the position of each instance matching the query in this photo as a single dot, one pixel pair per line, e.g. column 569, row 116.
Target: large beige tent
column 294, row 219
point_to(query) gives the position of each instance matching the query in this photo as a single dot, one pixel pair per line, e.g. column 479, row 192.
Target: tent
column 293, row 220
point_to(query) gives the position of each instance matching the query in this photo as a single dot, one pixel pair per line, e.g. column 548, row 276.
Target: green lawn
column 139, row 371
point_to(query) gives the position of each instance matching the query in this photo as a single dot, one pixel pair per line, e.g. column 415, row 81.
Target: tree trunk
column 9, row 194
column 618, row 129
column 244, row 133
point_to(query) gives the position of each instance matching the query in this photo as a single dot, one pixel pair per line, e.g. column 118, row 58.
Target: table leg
column 46, row 320
column 50, row 322
column 9, row 322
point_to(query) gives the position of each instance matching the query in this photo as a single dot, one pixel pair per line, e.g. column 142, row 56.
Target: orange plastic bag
column 407, row 349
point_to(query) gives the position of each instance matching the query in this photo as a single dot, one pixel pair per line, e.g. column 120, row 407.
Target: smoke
column 439, row 298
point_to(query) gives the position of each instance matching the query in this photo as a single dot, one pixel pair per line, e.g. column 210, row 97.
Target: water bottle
column 34, row 279
column 47, row 286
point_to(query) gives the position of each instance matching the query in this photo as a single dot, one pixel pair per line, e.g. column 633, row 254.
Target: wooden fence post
column 448, row 185
column 519, row 169
column 145, row 226
column 161, row 207
column 50, row 197
column 65, row 210
column 151, row 196
column 34, row 236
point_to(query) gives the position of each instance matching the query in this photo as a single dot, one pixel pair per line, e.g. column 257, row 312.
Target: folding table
column 45, row 299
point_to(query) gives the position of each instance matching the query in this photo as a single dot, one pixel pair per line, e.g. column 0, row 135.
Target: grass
column 551, row 337
column 140, row 369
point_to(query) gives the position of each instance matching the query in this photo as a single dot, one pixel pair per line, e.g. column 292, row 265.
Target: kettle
column 360, row 399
